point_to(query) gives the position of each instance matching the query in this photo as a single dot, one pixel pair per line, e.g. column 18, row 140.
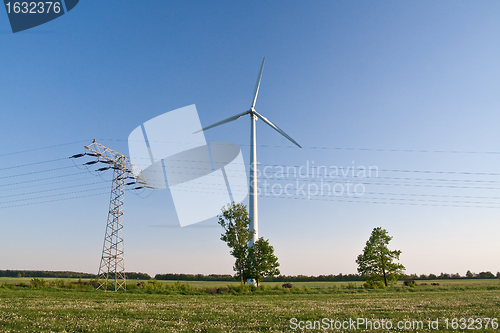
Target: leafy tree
column 235, row 221
column 469, row 275
column 376, row 263
column 485, row 275
column 262, row 261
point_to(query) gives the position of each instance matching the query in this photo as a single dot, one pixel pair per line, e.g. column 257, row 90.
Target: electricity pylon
column 111, row 268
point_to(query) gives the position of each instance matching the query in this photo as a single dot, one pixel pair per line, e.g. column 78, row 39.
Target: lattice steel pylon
column 112, row 269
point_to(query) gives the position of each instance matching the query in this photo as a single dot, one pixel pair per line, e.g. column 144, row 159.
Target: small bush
column 223, row 290
column 409, row 283
column 240, row 288
column 38, row 283
column 154, row 285
column 132, row 286
column 264, row 287
column 211, row 291
column 374, row 285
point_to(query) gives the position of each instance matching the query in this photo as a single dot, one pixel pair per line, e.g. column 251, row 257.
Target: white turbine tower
column 252, row 197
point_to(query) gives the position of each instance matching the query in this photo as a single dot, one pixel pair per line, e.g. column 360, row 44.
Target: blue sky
column 339, row 74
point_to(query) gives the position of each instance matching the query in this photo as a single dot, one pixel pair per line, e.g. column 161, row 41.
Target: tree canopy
column 252, row 262
column 377, row 262
column 235, row 221
column 262, row 262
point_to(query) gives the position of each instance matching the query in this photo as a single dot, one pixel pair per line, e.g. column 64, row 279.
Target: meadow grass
column 61, row 310
column 216, row 284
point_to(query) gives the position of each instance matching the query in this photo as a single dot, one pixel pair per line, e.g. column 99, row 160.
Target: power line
column 295, row 189
column 369, row 200
column 328, row 179
column 55, row 200
column 49, row 190
column 42, row 148
column 52, row 195
column 413, row 202
column 340, row 170
column 445, row 172
column 309, row 176
column 377, row 181
column 45, row 184
column 30, row 164
column 340, row 148
column 42, row 179
column 210, row 190
column 36, row 172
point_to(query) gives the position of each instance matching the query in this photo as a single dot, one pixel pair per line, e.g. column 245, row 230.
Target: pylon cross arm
column 115, row 159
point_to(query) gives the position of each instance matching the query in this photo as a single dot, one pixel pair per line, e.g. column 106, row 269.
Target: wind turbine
column 254, row 115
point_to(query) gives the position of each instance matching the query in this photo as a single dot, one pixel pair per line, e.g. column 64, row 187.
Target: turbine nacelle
column 253, row 113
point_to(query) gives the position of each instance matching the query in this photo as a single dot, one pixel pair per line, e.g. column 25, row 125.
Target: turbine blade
column 257, row 85
column 267, row 121
column 223, row 121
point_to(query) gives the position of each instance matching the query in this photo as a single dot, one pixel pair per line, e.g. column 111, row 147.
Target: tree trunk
column 383, row 268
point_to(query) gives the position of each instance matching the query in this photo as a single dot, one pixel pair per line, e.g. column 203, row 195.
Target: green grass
column 59, row 310
column 198, row 284
column 207, row 284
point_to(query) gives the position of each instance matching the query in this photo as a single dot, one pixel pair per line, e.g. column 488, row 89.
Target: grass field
column 204, row 284
column 59, row 310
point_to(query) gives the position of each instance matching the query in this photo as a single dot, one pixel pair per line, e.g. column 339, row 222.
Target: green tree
column 235, row 221
column 485, row 275
column 376, row 263
column 262, row 261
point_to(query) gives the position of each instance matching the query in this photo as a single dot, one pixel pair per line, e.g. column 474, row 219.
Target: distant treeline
column 194, row 277
column 227, row 277
column 280, row 278
column 137, row 276
column 445, row 276
column 64, row 275
column 46, row 274
column 322, row 278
